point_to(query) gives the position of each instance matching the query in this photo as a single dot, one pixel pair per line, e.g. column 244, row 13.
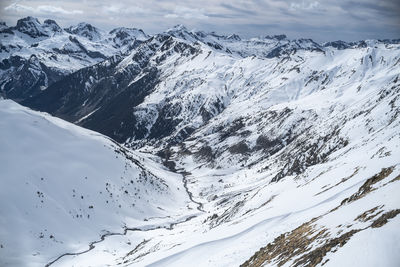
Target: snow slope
column 64, row 186
column 245, row 212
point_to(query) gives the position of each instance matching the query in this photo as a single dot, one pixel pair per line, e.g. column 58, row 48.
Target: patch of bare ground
column 383, row 219
column 316, row 256
column 369, row 214
column 288, row 245
column 308, row 244
column 367, row 186
column 299, row 244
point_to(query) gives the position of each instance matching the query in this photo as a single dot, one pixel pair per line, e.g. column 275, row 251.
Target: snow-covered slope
column 175, row 82
column 324, row 211
column 63, row 187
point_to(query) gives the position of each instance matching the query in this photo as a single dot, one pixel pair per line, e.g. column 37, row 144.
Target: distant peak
column 28, row 22
column 87, row 26
column 52, row 25
column 337, row 44
column 4, row 28
column 28, row 19
column 30, row 26
column 125, row 35
column 234, row 37
column 84, row 29
column 82, row 26
column 178, row 27
column 50, row 21
column 278, row 37
column 125, row 29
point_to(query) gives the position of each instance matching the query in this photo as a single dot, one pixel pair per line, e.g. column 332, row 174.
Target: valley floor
column 346, row 216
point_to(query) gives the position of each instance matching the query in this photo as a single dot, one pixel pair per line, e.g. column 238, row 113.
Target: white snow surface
column 64, row 186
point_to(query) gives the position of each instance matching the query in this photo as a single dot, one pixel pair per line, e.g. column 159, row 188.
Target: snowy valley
column 189, row 148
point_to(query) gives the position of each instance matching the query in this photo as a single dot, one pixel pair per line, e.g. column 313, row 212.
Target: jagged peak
column 30, row 26
column 50, row 22
column 234, row 37
column 86, row 30
column 178, row 28
column 126, row 29
column 278, row 37
column 306, row 42
column 83, row 26
column 123, row 36
column 3, row 26
column 337, row 44
column 28, row 19
column 27, row 23
column 123, row 32
column 52, row 25
column 181, row 32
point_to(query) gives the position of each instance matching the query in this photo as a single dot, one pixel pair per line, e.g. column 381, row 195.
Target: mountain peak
column 178, row 28
column 124, row 36
column 134, row 31
column 30, row 26
column 278, row 37
column 85, row 30
column 181, row 32
column 87, row 26
column 234, row 37
column 28, row 19
column 3, row 25
column 52, row 25
column 340, row 45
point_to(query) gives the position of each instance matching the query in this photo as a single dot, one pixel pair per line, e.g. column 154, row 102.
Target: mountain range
column 140, row 149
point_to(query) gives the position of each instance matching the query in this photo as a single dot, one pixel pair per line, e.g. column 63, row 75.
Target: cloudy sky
column 321, row 20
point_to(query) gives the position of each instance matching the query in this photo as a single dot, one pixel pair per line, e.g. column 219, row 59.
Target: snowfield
column 64, row 186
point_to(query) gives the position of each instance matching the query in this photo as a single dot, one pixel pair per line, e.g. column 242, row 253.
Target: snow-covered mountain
column 34, row 55
column 259, row 152
column 168, row 86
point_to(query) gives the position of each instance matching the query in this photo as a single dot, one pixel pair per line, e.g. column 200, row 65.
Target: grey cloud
column 321, row 20
column 183, row 12
column 41, row 9
column 305, row 5
column 238, row 9
column 120, row 9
